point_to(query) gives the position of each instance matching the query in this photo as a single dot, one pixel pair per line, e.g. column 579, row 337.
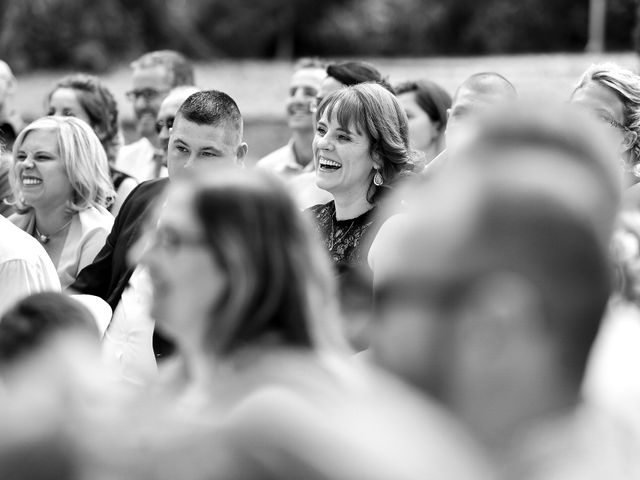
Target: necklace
column 44, row 238
column 335, row 240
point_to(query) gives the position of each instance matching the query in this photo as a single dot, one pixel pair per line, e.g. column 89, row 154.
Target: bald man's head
column 169, row 109
column 477, row 94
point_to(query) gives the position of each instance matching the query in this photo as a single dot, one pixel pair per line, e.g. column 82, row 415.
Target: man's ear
column 241, row 154
column 448, row 114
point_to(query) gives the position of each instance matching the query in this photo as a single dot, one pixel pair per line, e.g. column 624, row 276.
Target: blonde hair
column 626, row 85
column 84, row 159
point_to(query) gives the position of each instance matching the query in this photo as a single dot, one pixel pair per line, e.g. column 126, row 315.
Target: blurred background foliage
column 93, row 35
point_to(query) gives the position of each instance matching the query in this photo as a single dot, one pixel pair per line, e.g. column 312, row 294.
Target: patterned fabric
column 347, row 241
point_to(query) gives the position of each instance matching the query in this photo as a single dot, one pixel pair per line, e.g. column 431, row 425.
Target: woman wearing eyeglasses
column 85, row 97
column 224, row 288
column 60, row 182
column 612, row 93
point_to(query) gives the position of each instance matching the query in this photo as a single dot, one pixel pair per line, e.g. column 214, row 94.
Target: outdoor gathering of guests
column 417, row 285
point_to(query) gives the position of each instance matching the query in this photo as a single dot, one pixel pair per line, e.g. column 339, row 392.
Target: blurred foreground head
column 38, row 318
column 477, row 94
column 234, row 265
column 494, row 285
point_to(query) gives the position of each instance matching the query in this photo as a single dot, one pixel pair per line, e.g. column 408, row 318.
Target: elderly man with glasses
column 154, row 75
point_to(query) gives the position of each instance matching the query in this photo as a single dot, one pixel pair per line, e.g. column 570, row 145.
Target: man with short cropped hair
column 207, row 128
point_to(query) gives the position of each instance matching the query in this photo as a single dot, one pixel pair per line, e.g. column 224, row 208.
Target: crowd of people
column 417, row 285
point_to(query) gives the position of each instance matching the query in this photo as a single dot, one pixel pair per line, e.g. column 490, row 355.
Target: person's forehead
column 598, row 97
column 428, row 240
column 407, row 100
column 170, row 106
column 473, row 99
column 65, row 94
column 308, row 77
column 151, row 76
column 221, row 135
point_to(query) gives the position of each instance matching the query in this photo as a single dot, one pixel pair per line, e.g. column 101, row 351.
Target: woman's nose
column 324, row 143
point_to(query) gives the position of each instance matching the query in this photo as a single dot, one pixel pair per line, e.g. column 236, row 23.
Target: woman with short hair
column 426, row 104
column 361, row 150
column 60, row 182
column 612, row 94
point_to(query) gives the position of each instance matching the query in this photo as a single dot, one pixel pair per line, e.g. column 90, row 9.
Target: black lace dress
column 347, row 241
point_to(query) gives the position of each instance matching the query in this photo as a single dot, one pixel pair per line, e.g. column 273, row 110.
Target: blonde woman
column 60, row 181
column 612, row 93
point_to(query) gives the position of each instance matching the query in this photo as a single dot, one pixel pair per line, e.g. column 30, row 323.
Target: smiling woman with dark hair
column 361, row 150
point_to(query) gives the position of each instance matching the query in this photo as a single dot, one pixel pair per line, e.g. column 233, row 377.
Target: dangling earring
column 377, row 178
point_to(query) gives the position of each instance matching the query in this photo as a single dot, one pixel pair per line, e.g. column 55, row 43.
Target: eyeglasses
column 160, row 124
column 147, row 93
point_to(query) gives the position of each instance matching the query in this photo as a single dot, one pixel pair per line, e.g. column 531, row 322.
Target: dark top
column 117, row 177
column 347, row 241
column 109, row 274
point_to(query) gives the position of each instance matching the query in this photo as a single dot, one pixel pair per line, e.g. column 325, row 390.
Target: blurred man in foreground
column 490, row 298
column 154, row 75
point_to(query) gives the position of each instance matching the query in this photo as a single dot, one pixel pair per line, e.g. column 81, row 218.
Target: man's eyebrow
column 212, row 149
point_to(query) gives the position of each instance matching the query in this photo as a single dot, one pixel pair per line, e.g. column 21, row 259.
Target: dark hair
column 355, row 72
column 179, row 68
column 376, row 112
column 211, row 107
column 278, row 284
column 431, row 98
column 543, row 240
column 37, row 318
column 100, row 106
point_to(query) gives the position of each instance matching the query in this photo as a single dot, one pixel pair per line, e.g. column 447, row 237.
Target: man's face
column 150, row 86
column 412, row 334
column 302, row 94
column 191, row 143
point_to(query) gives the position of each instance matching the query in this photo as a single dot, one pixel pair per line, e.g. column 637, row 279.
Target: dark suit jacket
column 109, row 274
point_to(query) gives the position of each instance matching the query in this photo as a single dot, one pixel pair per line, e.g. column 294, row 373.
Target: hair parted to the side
column 374, row 111
column 626, row 86
column 100, row 106
column 84, row 159
column 212, row 107
column 278, row 284
column 430, row 97
column 179, row 69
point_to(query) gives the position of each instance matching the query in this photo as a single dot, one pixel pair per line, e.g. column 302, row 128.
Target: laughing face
column 40, row 172
column 302, row 95
column 342, row 154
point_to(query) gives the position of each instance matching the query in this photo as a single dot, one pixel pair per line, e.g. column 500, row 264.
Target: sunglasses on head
column 160, row 124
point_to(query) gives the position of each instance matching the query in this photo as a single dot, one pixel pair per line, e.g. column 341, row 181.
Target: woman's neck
column 51, row 220
column 348, row 207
